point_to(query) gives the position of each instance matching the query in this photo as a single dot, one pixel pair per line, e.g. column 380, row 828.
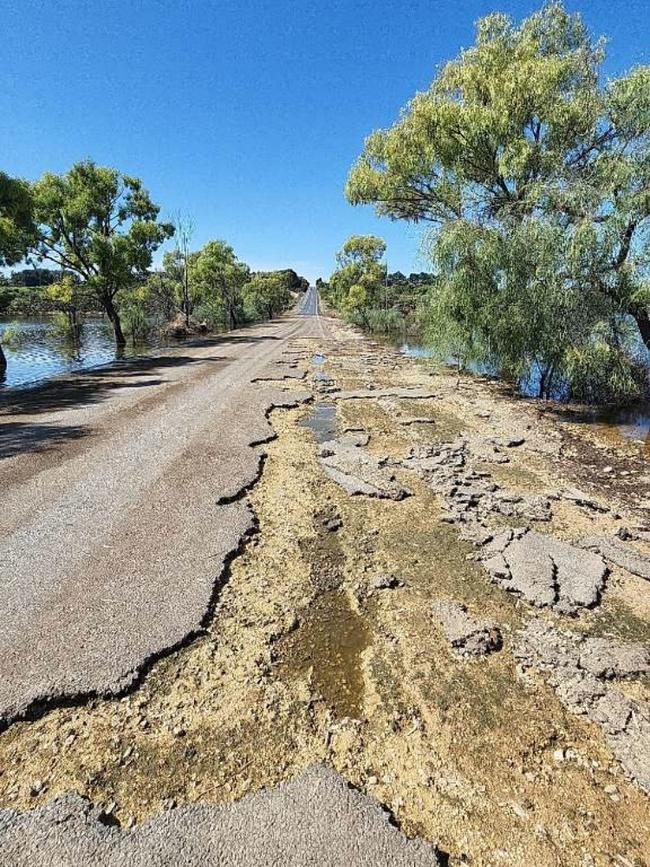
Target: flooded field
column 37, row 348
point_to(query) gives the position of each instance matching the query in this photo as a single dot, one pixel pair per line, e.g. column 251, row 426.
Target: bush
column 386, row 321
column 135, row 321
column 601, row 373
column 212, row 312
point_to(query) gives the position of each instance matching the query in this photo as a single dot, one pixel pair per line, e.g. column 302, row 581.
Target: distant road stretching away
column 310, row 304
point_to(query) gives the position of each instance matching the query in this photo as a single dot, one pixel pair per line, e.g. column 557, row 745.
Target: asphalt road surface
column 120, row 507
column 313, row 819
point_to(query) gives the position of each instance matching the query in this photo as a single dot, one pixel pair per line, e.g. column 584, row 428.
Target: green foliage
column 391, row 321
column 601, row 372
column 355, row 286
column 34, row 277
column 267, row 294
column 218, row 278
column 16, row 223
column 536, row 180
column 100, row 224
column 135, row 319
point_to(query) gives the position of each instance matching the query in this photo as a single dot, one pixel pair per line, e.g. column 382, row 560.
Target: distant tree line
column 89, row 236
column 367, row 295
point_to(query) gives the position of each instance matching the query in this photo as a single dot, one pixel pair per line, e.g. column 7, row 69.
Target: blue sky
column 246, row 114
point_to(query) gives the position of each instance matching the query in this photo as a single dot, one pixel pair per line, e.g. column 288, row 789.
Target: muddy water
column 322, row 421
column 326, row 649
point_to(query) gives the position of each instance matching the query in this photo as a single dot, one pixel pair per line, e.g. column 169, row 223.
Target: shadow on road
column 88, row 387
column 92, row 386
column 17, row 437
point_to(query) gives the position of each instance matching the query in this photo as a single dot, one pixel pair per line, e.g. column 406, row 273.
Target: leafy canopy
column 217, row 278
column 355, row 285
column 16, row 226
column 98, row 223
column 535, row 179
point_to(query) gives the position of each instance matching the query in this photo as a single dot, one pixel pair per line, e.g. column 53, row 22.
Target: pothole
column 321, row 421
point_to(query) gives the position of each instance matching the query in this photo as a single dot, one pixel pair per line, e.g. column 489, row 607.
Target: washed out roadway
column 121, row 504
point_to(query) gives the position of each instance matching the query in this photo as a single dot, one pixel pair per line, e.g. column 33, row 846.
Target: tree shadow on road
column 92, row 386
column 18, row 437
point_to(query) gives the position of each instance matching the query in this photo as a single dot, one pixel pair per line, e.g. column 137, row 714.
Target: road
column 111, row 536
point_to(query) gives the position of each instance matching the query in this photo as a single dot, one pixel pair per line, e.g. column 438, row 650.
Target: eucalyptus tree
column 218, row 280
column 101, row 225
column 356, row 284
column 267, row 293
column 533, row 175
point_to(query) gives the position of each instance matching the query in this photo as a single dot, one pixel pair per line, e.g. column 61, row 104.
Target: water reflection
column 37, row 348
column 619, row 424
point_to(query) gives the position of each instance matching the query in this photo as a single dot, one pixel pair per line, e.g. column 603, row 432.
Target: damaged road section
column 584, row 671
column 112, row 549
column 348, row 464
column 544, row 570
column 314, row 819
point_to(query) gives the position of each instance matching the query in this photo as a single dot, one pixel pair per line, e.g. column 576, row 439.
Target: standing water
column 37, row 348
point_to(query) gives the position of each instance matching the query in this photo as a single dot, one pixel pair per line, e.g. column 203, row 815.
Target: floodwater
column 37, row 349
column 619, row 424
column 327, row 646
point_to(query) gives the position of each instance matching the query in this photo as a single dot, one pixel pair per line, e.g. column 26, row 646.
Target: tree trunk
column 186, row 293
column 3, row 363
column 114, row 316
column 643, row 321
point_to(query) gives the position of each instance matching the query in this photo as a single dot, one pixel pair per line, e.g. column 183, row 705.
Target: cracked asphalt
column 111, row 539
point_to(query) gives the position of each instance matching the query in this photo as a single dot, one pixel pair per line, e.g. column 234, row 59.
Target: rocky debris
column 403, row 392
column 358, row 472
column 333, row 524
column 640, row 533
column 582, row 670
column 466, row 634
column 317, row 818
column 471, row 495
column 508, row 442
column 384, row 581
column 544, row 570
column 615, row 551
column 323, row 382
column 368, row 587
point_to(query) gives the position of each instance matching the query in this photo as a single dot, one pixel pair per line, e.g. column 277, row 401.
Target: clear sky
column 246, row 114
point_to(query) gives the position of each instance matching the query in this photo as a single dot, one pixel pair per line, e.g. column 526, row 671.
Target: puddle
column 322, row 421
column 631, row 423
column 318, row 358
column 328, row 645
